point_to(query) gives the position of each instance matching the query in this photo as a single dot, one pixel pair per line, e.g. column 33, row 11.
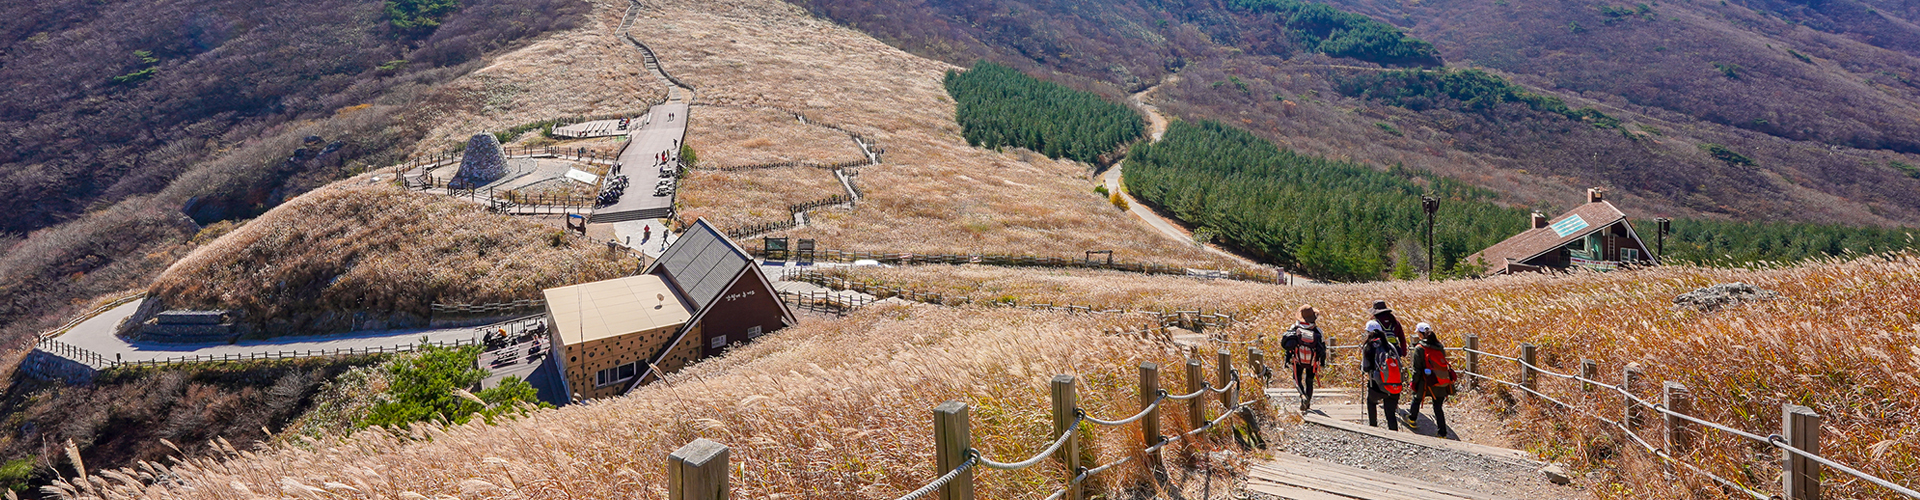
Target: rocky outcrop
column 1721, row 295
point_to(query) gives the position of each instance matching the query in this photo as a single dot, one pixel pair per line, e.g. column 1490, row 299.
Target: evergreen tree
column 999, row 106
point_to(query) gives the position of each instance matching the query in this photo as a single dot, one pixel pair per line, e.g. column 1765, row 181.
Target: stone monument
column 482, row 163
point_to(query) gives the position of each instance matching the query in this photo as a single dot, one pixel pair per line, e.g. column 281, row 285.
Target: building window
column 753, row 333
column 616, row 374
column 1629, row 255
column 719, row 341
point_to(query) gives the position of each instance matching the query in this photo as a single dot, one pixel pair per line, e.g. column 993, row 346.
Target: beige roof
column 614, row 307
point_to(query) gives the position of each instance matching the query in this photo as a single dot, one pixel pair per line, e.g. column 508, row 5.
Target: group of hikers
column 1390, row 369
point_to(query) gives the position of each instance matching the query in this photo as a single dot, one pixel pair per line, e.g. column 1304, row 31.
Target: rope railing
column 955, row 456
column 1036, row 459
column 1774, row 440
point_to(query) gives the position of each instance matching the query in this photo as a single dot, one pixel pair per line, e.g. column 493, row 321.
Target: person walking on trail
column 1432, row 377
column 1380, row 361
column 1306, row 349
column 646, row 234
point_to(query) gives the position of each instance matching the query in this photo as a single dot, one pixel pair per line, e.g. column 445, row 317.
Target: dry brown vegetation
column 732, row 135
column 831, row 409
column 934, row 193
column 359, row 248
column 736, row 199
column 584, row 71
column 1837, row 339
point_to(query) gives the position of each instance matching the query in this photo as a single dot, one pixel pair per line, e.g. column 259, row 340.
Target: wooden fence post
column 1228, row 399
column 1196, row 414
column 1679, row 430
column 1527, row 374
column 951, row 439
column 697, row 471
column 1150, row 392
column 1472, row 345
column 1800, row 477
column 1589, row 370
column 1629, row 377
column 1064, row 402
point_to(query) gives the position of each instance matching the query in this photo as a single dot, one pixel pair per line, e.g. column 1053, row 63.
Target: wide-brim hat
column 1379, row 306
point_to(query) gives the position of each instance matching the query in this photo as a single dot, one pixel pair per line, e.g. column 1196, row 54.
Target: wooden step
column 1296, row 477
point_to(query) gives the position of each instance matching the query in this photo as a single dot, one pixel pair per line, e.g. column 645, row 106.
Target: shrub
column 16, row 473
column 1727, row 155
column 427, row 387
column 1118, row 201
column 1905, row 168
column 419, row 15
column 999, row 106
column 1102, row 189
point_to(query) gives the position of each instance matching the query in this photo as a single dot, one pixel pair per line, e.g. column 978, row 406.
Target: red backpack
column 1386, row 369
column 1437, row 361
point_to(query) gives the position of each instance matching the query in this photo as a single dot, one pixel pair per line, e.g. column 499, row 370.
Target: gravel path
column 1454, row 469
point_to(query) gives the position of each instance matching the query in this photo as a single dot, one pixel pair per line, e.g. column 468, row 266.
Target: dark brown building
column 1593, row 236
column 733, row 302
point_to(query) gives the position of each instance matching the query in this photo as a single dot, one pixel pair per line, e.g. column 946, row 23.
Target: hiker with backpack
column 1306, row 349
column 1432, row 377
column 1380, row 360
column 1391, row 324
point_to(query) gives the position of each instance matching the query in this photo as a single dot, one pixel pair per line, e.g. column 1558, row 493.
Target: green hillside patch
column 1470, row 90
column 1725, row 243
column 998, row 106
column 1327, row 218
column 1339, row 33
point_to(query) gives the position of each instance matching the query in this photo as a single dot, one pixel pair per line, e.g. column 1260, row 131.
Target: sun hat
column 1379, row 306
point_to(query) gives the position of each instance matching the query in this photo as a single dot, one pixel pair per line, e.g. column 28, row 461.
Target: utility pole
column 1660, row 228
column 1430, row 205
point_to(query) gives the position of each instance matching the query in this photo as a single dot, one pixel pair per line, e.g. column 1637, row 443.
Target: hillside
column 1825, row 139
column 801, row 411
column 360, row 252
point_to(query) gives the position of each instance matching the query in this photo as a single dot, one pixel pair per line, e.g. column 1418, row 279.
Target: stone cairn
column 482, row 163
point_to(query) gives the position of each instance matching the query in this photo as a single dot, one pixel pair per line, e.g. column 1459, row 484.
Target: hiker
column 1306, row 349
column 1391, row 324
column 1380, row 361
column 1432, row 377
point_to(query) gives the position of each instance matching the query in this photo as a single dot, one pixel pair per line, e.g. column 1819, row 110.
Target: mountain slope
column 1824, row 137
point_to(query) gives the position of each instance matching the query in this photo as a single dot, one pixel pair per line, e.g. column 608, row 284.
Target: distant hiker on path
column 1306, row 350
column 1380, row 360
column 1432, row 376
column 646, row 234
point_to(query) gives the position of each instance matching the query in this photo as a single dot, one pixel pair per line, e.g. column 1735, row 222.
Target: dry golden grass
column 1839, row 338
column 934, row 193
column 732, row 135
column 582, row 72
column 736, row 199
column 356, row 247
column 831, row 409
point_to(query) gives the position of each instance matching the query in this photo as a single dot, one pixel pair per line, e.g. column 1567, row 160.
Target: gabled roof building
column 703, row 293
column 1594, row 236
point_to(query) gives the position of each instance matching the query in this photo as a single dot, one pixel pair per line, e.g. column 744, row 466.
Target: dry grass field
column 736, row 199
column 357, row 247
column 585, row 71
column 1838, row 338
column 733, row 135
column 934, row 193
column 831, row 409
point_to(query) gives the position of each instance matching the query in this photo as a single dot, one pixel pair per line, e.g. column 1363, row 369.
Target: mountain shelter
column 1594, row 236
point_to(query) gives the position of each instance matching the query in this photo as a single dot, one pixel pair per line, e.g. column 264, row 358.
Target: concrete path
column 665, row 128
column 96, row 334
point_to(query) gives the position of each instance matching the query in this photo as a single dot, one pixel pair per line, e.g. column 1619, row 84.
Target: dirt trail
column 1157, row 128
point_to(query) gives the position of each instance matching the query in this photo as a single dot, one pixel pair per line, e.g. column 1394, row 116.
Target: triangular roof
column 702, row 263
column 1575, row 224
